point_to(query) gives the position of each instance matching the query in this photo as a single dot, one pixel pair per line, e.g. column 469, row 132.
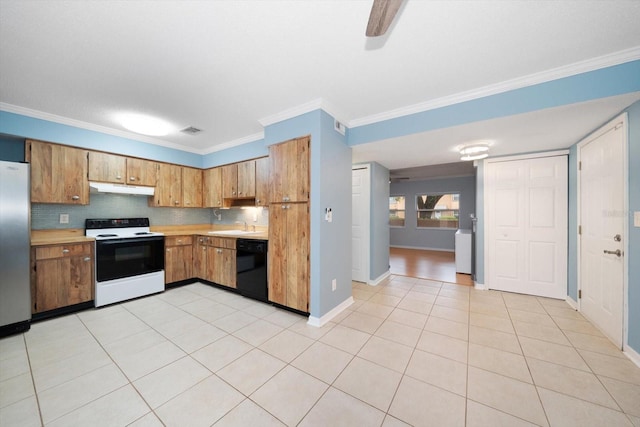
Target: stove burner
column 107, row 235
column 140, row 233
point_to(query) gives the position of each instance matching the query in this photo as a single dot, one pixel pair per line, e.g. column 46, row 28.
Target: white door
column 526, row 225
column 360, row 224
column 602, row 217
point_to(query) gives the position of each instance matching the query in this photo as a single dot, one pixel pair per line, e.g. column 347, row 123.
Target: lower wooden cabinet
column 62, row 275
column 178, row 258
column 288, row 259
column 214, row 259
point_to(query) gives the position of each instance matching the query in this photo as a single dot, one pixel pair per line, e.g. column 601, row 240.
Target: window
column 396, row 211
column 437, row 210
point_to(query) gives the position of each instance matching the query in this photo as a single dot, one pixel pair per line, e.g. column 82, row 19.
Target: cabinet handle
column 118, row 177
column 257, row 200
column 176, row 202
column 65, row 251
column 219, row 251
column 179, row 241
column 75, row 197
column 233, row 192
column 87, row 258
column 285, row 199
column 132, row 178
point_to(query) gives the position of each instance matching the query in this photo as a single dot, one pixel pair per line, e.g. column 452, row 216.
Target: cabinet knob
column 75, row 197
column 257, row 200
column 87, row 258
column 285, row 199
column 233, row 192
column 168, row 250
column 219, row 251
column 179, row 241
column 118, row 177
column 177, row 202
column 132, row 178
column 65, row 251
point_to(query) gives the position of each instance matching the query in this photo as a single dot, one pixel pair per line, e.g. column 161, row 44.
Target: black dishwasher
column 251, row 268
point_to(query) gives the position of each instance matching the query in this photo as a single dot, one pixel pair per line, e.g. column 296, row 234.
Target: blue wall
column 633, row 255
column 380, row 237
column 240, row 153
column 432, row 238
column 29, row 127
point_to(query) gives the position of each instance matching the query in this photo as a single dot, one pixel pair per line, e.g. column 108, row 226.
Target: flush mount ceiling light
column 145, row 125
column 474, row 151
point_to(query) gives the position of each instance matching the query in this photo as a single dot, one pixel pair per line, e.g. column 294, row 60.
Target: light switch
column 636, row 219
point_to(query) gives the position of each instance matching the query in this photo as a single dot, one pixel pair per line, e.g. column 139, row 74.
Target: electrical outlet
column 334, row 284
column 64, row 218
column 636, row 219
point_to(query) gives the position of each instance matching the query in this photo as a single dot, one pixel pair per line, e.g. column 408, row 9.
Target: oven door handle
column 130, row 240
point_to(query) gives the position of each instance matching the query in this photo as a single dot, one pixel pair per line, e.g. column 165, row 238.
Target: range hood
column 134, row 190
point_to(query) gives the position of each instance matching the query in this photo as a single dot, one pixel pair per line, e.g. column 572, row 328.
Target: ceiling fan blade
column 382, row 14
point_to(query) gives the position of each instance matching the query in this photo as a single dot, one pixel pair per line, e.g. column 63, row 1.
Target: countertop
column 76, row 235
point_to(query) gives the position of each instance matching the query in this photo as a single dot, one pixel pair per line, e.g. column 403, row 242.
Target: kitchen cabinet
column 104, row 167
column 289, row 171
column 191, row 187
column 142, row 172
column 62, row 275
column 262, row 181
column 239, row 180
column 212, row 188
column 288, row 257
column 178, row 258
column 230, row 181
column 168, row 191
column 59, row 174
column 215, row 260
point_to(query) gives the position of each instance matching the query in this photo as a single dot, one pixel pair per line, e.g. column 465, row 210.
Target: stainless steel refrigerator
column 15, row 233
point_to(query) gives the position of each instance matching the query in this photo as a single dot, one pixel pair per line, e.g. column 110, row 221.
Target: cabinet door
column 142, row 172
column 212, row 188
column 58, row 174
column 277, row 261
column 247, row 179
column 191, row 187
column 200, row 258
column 262, row 181
column 51, row 275
column 289, row 170
column 169, row 188
column 178, row 263
column 226, row 267
column 297, row 253
column 80, row 288
column 105, row 167
column 230, row 181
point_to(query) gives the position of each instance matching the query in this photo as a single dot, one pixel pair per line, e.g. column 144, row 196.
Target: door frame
column 625, row 262
column 485, row 190
column 367, row 237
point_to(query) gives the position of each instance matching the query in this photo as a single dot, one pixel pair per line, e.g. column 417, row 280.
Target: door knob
column 617, row 252
column 617, row 238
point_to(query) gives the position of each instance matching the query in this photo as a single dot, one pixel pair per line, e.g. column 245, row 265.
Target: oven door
column 118, row 258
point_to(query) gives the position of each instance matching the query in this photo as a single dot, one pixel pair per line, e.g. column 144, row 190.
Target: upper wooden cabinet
column 191, row 187
column 212, row 188
column 247, row 179
column 169, row 188
column 142, row 172
column 230, row 181
column 105, row 167
column 58, row 173
column 289, row 171
column 262, row 181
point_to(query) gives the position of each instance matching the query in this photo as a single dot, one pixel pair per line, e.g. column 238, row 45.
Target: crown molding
column 616, row 58
column 36, row 114
column 236, row 142
column 316, row 104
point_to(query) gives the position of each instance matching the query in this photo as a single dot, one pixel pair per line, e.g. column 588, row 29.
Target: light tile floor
column 407, row 352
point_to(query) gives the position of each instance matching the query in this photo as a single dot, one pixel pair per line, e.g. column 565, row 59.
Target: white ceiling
column 222, row 66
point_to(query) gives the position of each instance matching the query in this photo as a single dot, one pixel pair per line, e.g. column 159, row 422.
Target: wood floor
column 434, row 265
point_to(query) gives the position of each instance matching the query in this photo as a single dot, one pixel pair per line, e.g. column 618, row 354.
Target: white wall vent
column 339, row 127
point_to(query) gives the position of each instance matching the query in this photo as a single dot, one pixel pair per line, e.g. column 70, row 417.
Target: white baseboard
column 422, row 248
column 321, row 321
column 573, row 303
column 633, row 355
column 380, row 278
column 480, row 286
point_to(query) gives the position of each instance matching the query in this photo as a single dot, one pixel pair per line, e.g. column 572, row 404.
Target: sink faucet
column 253, row 228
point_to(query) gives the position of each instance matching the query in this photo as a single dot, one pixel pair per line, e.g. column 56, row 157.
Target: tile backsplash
column 47, row 216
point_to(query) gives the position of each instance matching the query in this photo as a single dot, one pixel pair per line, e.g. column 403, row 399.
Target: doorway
column 360, row 229
column 602, row 227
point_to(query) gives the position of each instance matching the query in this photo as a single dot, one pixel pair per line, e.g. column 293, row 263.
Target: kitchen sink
column 233, row 232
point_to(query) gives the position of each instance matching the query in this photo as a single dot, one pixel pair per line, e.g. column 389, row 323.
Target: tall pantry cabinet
column 289, row 224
